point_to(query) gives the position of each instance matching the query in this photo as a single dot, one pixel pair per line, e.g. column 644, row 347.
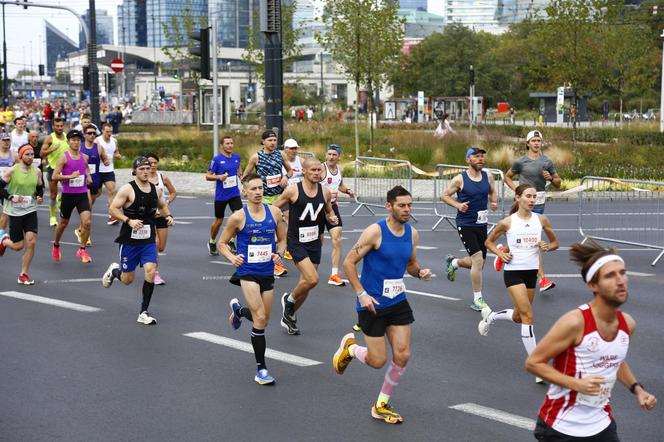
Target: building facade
column 104, row 28
column 58, row 45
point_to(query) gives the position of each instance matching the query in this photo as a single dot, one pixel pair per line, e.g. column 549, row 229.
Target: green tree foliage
column 25, row 73
column 177, row 30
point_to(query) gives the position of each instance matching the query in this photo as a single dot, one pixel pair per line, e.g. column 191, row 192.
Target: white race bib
column 393, row 287
column 142, row 233
column 273, row 180
column 2, row 171
column 92, row 168
column 36, row 162
column 79, row 181
column 230, row 181
column 540, row 198
column 601, row 399
column 482, row 216
column 23, row 202
column 526, row 240
column 308, row 234
column 259, row 253
column 294, row 180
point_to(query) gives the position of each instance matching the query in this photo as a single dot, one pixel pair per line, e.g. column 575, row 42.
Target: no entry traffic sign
column 117, row 65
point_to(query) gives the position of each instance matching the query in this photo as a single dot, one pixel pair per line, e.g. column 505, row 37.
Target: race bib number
column 23, row 202
column 230, row 181
column 526, row 240
column 601, row 399
column 92, row 168
column 540, row 198
column 294, row 180
column 36, row 162
column 393, row 287
column 259, row 253
column 482, row 216
column 142, row 233
column 273, row 180
column 79, row 181
column 2, row 171
column 308, row 234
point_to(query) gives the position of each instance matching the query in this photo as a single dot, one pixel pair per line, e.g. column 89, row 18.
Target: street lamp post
column 661, row 95
column 5, row 99
column 322, row 87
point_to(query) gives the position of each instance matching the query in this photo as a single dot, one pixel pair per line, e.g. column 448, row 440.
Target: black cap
column 268, row 134
column 74, row 133
column 138, row 162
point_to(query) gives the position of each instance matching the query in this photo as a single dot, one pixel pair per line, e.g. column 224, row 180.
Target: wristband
column 364, row 292
column 169, row 216
column 632, row 387
column 281, row 255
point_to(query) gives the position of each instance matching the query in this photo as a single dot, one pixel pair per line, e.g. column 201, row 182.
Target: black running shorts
column 220, row 206
column 74, row 200
column 516, row 277
column 160, row 222
column 300, row 251
column 336, row 212
column 266, row 283
column 375, row 325
column 107, row 176
column 473, row 239
column 545, row 433
column 19, row 225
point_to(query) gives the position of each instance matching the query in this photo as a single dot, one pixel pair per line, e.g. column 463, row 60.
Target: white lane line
column 577, row 275
column 223, row 263
column 427, row 247
column 50, row 301
column 187, row 197
column 212, row 278
column 194, row 217
column 496, row 415
column 67, row 281
column 183, row 222
column 429, row 295
column 329, row 237
column 246, row 347
column 68, row 243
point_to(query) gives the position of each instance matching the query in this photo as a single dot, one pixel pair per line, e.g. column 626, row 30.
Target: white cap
column 533, row 134
column 290, row 143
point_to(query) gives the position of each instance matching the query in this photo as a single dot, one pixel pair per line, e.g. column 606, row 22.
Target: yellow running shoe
column 386, row 413
column 279, row 271
column 342, row 356
column 287, row 255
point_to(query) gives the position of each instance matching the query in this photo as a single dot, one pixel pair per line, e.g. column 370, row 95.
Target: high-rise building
column 104, row 28
column 58, row 45
column 417, row 5
column 236, row 19
column 486, row 15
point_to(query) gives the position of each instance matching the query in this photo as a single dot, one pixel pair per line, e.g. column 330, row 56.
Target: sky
column 25, row 29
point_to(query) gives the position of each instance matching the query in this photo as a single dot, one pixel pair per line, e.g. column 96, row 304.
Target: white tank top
column 110, row 149
column 332, row 182
column 18, row 140
column 160, row 185
column 296, row 168
column 574, row 413
column 523, row 237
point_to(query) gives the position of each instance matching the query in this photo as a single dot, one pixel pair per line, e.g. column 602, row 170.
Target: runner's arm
column 172, row 193
column 285, row 197
column 329, row 212
column 46, row 147
column 413, row 268
column 57, row 171
column 117, row 154
column 120, row 199
column 508, row 179
column 281, row 230
column 646, row 400
column 233, row 225
column 501, row 228
column 369, row 240
column 163, row 208
column 345, row 189
column 553, row 240
column 493, row 195
column 452, row 188
column 102, row 154
column 253, row 160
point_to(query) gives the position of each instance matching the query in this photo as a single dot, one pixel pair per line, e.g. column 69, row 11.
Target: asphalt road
column 97, row 375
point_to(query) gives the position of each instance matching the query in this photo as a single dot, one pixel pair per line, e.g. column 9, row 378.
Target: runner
column 388, row 250
column 224, row 170
column 86, row 120
column 52, row 149
column 22, row 188
column 523, row 230
column 135, row 205
column 110, row 145
column 255, row 228
column 307, row 199
column 295, row 162
column 167, row 192
column 536, row 169
column 588, row 346
column 72, row 169
column 473, row 187
column 7, row 160
column 333, row 181
column 19, row 134
column 268, row 163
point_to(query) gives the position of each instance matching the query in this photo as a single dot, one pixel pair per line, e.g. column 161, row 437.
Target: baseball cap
column 474, row 150
column 290, row 143
column 138, row 162
column 74, row 133
column 4, row 136
column 268, row 134
column 534, row 134
column 334, row 147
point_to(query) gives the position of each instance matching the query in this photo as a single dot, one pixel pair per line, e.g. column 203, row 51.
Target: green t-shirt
column 23, row 184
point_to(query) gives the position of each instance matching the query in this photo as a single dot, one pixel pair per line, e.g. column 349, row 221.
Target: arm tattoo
column 357, row 248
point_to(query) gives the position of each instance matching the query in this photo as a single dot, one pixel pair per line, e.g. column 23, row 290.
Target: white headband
column 599, row 263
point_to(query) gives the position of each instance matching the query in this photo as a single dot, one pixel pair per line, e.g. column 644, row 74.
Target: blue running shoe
column 451, row 271
column 234, row 318
column 263, row 377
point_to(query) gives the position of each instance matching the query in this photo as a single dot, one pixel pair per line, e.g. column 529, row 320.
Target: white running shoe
column 539, row 380
column 107, row 279
column 145, row 318
column 483, row 326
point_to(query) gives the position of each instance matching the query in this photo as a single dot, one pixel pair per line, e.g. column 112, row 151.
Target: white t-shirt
column 18, row 140
column 110, row 149
column 332, row 181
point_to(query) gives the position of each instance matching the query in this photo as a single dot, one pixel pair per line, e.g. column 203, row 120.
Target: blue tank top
column 93, row 162
column 476, row 193
column 382, row 268
column 256, row 241
column 269, row 168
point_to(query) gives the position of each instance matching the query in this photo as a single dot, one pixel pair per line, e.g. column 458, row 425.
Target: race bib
column 601, row 399
column 259, row 253
column 393, row 287
column 2, row 171
column 482, row 216
column 308, row 234
column 526, row 240
column 36, row 162
column 273, row 180
column 79, row 181
column 230, row 181
column 92, row 168
column 294, row 180
column 540, row 198
column 142, row 233
column 23, row 202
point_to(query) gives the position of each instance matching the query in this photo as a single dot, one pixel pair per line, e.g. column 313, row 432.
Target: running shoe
column 231, row 246
column 288, row 256
column 290, row 326
column 24, row 279
column 55, row 253
column 546, row 284
column 212, row 248
column 451, row 271
column 539, row 380
column 107, row 279
column 158, row 280
column 83, row 254
column 288, row 308
column 279, row 271
column 342, row 356
column 111, row 220
column 498, row 261
column 263, row 377
column 53, row 221
column 234, row 318
column 2, row 246
column 146, row 319
column 336, row 280
column 479, row 304
column 386, row 413
column 357, row 328
column 483, row 326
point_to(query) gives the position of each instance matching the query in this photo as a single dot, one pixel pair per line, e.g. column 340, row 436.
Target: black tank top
column 144, row 208
column 307, row 217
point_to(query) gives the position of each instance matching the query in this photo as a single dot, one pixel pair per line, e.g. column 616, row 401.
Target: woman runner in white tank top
column 523, row 230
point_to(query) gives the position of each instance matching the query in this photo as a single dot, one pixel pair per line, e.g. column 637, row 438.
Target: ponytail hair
column 586, row 254
column 518, row 192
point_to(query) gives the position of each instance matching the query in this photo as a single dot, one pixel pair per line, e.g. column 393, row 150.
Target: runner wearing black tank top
column 309, row 207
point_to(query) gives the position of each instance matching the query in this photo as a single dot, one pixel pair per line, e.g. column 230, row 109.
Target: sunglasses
column 90, row 133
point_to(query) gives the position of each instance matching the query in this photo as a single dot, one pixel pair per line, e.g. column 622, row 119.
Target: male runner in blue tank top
column 388, row 248
column 257, row 252
column 474, row 188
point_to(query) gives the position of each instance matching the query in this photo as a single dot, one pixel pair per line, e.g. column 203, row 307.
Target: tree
column 25, row 73
column 364, row 37
column 177, row 30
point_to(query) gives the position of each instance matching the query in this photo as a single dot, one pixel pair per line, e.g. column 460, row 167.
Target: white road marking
column 427, row 247
column 51, row 301
column 246, row 347
column 182, row 222
column 68, row 243
column 224, row 263
column 67, row 281
column 187, row 197
column 209, row 278
column 329, row 237
column 577, row 275
column 496, row 415
column 194, row 217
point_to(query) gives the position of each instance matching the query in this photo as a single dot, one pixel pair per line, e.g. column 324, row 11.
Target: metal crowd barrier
column 622, row 211
column 446, row 172
column 162, row 117
column 375, row 176
column 305, row 155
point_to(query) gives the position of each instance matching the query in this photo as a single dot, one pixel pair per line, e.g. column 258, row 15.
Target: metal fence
column 445, row 174
column 162, row 117
column 375, row 176
column 305, row 155
column 622, row 211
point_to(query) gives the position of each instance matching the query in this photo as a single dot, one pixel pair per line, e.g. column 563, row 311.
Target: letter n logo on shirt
column 310, row 210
